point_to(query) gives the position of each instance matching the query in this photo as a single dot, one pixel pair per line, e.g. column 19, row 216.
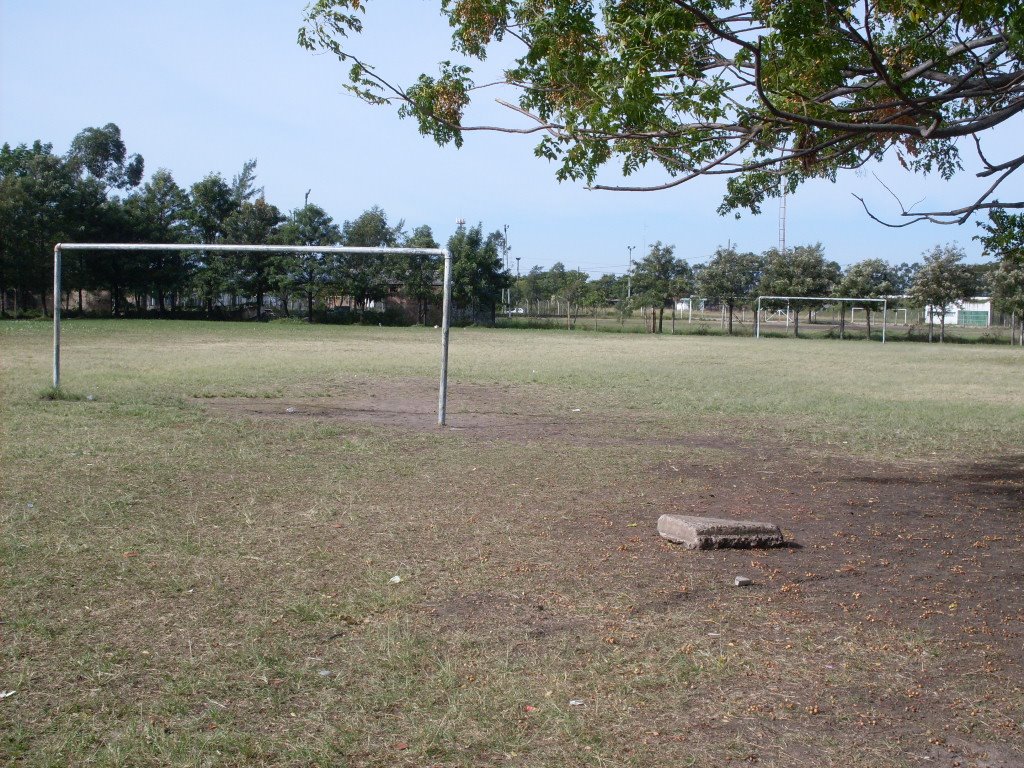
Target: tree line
column 95, row 193
column 735, row 278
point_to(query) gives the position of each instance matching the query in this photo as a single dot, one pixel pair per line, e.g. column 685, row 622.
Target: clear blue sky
column 199, row 86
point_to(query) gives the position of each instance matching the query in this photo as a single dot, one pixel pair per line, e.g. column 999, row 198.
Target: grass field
column 197, row 562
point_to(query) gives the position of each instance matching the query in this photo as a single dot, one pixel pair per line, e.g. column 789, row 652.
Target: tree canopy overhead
column 768, row 93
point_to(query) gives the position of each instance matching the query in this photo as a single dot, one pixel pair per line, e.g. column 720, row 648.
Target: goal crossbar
column 825, row 299
column 442, row 393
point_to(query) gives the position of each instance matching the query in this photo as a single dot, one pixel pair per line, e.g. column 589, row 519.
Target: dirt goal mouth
column 486, row 411
column 490, row 412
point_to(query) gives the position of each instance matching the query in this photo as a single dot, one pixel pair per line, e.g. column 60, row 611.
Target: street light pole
column 504, row 258
column 518, row 286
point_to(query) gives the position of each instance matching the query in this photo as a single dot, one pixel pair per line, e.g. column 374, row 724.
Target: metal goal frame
column 442, row 393
column 883, row 302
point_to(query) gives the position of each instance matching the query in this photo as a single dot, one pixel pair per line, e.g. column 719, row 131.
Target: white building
column 976, row 311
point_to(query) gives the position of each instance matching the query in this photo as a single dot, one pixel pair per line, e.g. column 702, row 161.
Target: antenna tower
column 782, row 208
column 781, row 222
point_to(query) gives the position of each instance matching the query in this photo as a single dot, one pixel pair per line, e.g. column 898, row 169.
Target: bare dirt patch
column 923, row 553
column 928, row 544
column 411, row 404
column 917, row 562
column 475, row 411
column 931, row 546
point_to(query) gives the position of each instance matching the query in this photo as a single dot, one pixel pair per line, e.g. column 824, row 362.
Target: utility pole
column 629, row 274
column 518, row 296
column 504, row 258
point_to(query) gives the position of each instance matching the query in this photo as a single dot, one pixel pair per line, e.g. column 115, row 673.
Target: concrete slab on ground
column 717, row 533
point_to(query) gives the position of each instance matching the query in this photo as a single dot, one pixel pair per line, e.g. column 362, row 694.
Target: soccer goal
column 442, row 393
column 824, row 300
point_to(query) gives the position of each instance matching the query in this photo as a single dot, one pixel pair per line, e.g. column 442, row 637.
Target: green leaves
column 660, row 276
column 871, row 278
column 756, row 91
column 1004, row 239
column 438, row 104
column 477, row 275
column 101, row 152
column 729, row 274
column 942, row 279
column 799, row 271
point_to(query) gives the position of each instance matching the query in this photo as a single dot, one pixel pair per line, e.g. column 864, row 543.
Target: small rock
column 395, row 580
column 576, row 702
column 324, row 672
column 742, row 581
column 291, row 409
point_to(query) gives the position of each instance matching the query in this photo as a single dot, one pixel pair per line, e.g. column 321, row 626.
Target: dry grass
column 186, row 584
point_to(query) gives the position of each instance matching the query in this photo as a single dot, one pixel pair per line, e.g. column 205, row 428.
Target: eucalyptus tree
column 98, row 155
column 28, row 177
column 943, row 280
column 243, row 184
column 158, row 213
column 102, row 154
column 256, row 223
column 310, row 273
column 43, row 199
column 419, row 273
column 759, row 92
column 802, row 271
column 363, row 276
column 123, row 273
column 477, row 275
column 730, row 275
column 213, row 201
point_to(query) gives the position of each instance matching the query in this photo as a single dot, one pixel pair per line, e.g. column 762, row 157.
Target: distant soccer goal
column 442, row 394
column 823, row 300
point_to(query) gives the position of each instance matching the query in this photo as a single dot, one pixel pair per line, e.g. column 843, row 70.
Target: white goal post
column 442, row 393
column 824, row 299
